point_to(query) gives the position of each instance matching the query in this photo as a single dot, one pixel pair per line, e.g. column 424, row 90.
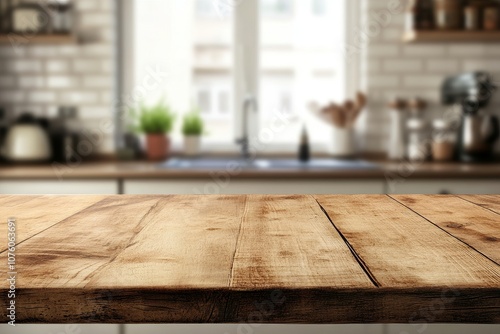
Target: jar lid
column 441, row 124
column 417, row 103
column 398, row 104
column 416, row 124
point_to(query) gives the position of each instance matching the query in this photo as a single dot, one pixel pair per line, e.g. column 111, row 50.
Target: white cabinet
column 59, row 329
column 253, row 186
column 73, row 187
column 443, row 186
column 254, row 329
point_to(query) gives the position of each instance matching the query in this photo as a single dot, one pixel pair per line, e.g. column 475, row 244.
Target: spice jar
column 443, row 140
column 490, row 18
column 418, row 140
column 471, row 18
column 416, row 106
column 62, row 17
column 418, row 148
column 448, row 14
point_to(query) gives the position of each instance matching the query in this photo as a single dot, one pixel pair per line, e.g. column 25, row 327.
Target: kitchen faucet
column 248, row 102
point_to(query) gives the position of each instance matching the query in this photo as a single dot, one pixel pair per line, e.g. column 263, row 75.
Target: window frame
column 246, row 68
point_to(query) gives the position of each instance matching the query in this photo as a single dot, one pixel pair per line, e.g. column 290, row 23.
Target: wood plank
column 19, row 39
column 189, row 243
column 149, row 255
column 36, row 213
column 402, row 249
column 288, row 242
column 451, row 36
column 66, row 254
column 472, row 224
column 490, row 202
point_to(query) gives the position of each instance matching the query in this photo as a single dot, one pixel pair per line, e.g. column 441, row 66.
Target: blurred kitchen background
column 315, row 96
column 249, row 96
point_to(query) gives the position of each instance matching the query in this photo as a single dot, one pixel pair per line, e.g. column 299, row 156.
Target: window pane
column 319, row 7
column 190, row 42
column 204, row 101
column 301, row 62
column 276, row 7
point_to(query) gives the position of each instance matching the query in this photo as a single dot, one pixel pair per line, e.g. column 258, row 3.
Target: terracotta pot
column 158, row 146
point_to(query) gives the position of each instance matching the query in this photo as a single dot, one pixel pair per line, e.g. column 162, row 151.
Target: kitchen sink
column 266, row 164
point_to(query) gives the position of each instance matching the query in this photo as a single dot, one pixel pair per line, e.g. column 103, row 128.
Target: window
column 271, row 8
column 320, row 7
column 215, row 52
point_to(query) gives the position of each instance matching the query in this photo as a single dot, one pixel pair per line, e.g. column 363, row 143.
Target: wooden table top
column 255, row 258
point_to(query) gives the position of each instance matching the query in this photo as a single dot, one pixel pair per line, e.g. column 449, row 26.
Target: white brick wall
column 39, row 78
column 394, row 68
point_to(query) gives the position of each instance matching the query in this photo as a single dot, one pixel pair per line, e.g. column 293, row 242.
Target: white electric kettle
column 27, row 141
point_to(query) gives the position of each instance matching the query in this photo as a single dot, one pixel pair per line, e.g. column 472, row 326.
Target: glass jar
column 443, row 140
column 418, row 148
column 490, row 18
column 448, row 14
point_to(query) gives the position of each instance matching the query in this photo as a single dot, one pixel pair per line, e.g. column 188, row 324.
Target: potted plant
column 192, row 128
column 156, row 122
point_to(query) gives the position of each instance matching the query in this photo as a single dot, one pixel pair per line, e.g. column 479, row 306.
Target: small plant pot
column 192, row 145
column 158, row 147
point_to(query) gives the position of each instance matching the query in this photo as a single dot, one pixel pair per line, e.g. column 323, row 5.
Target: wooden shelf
column 37, row 39
column 451, row 36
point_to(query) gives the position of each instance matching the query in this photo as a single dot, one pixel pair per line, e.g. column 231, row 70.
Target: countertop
column 149, row 170
column 254, row 259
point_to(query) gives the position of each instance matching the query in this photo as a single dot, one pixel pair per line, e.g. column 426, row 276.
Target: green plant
column 192, row 124
column 158, row 119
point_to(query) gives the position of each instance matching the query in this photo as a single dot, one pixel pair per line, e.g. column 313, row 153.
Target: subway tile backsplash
column 394, row 68
column 39, row 78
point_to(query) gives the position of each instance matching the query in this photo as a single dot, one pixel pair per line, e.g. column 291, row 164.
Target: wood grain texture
column 189, row 242
column 489, row 202
column 257, row 259
column 287, row 242
column 34, row 214
column 402, row 249
column 472, row 224
column 68, row 253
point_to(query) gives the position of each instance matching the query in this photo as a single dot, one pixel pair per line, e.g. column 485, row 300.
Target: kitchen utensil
column 477, row 137
column 65, row 135
column 341, row 116
column 397, row 141
column 478, row 131
column 27, row 141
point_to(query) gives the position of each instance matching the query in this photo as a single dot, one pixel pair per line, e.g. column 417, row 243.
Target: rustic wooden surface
column 266, row 259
